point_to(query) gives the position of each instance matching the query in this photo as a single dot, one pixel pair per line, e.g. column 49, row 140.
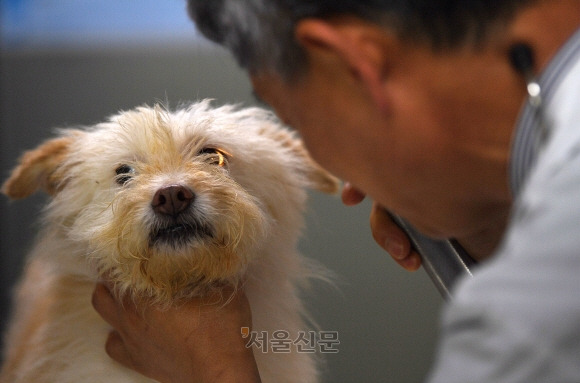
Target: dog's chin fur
column 248, row 177
column 167, row 261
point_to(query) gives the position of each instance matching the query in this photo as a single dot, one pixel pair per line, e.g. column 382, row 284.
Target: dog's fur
column 245, row 178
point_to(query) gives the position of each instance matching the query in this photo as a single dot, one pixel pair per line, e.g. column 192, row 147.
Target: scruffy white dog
column 168, row 205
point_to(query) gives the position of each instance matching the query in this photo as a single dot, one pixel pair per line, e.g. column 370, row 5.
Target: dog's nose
column 172, row 200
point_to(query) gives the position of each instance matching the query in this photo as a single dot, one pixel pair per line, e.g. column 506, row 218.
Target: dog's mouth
column 179, row 234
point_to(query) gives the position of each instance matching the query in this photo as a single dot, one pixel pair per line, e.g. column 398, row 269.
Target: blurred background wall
column 73, row 62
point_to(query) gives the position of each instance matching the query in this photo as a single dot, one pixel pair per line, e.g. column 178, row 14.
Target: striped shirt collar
column 523, row 152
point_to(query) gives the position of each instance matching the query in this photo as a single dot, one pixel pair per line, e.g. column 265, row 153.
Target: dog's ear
column 315, row 175
column 38, row 169
column 318, row 178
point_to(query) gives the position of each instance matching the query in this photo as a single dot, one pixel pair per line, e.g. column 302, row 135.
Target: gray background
column 386, row 318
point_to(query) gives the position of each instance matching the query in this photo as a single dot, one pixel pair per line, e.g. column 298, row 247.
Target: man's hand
column 385, row 232
column 198, row 341
column 395, row 241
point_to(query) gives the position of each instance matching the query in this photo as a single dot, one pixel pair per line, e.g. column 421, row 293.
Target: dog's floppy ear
column 37, row 169
column 316, row 177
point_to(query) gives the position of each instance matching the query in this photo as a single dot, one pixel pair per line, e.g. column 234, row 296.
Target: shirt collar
column 524, row 152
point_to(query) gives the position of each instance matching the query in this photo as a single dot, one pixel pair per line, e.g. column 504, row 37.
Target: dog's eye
column 215, row 156
column 124, row 174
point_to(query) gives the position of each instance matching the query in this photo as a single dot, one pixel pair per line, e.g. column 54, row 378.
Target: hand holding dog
column 197, row 341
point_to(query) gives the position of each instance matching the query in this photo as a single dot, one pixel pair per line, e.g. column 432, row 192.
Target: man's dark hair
column 260, row 33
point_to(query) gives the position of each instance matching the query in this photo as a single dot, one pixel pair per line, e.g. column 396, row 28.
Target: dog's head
column 168, row 203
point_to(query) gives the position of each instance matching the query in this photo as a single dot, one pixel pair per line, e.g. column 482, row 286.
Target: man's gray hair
column 260, row 33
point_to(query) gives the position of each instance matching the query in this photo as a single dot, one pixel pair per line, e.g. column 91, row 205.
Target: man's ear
column 38, row 169
column 366, row 49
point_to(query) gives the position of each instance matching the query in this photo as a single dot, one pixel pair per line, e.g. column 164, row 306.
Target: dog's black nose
column 172, row 200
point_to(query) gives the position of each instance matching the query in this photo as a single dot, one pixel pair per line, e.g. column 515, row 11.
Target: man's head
column 260, row 33
column 412, row 101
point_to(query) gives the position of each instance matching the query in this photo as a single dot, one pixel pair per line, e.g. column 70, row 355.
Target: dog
column 168, row 205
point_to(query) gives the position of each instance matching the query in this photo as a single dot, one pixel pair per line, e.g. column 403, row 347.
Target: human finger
column 393, row 239
column 351, row 195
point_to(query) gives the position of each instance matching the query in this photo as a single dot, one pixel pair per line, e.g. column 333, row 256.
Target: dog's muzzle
column 176, row 221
